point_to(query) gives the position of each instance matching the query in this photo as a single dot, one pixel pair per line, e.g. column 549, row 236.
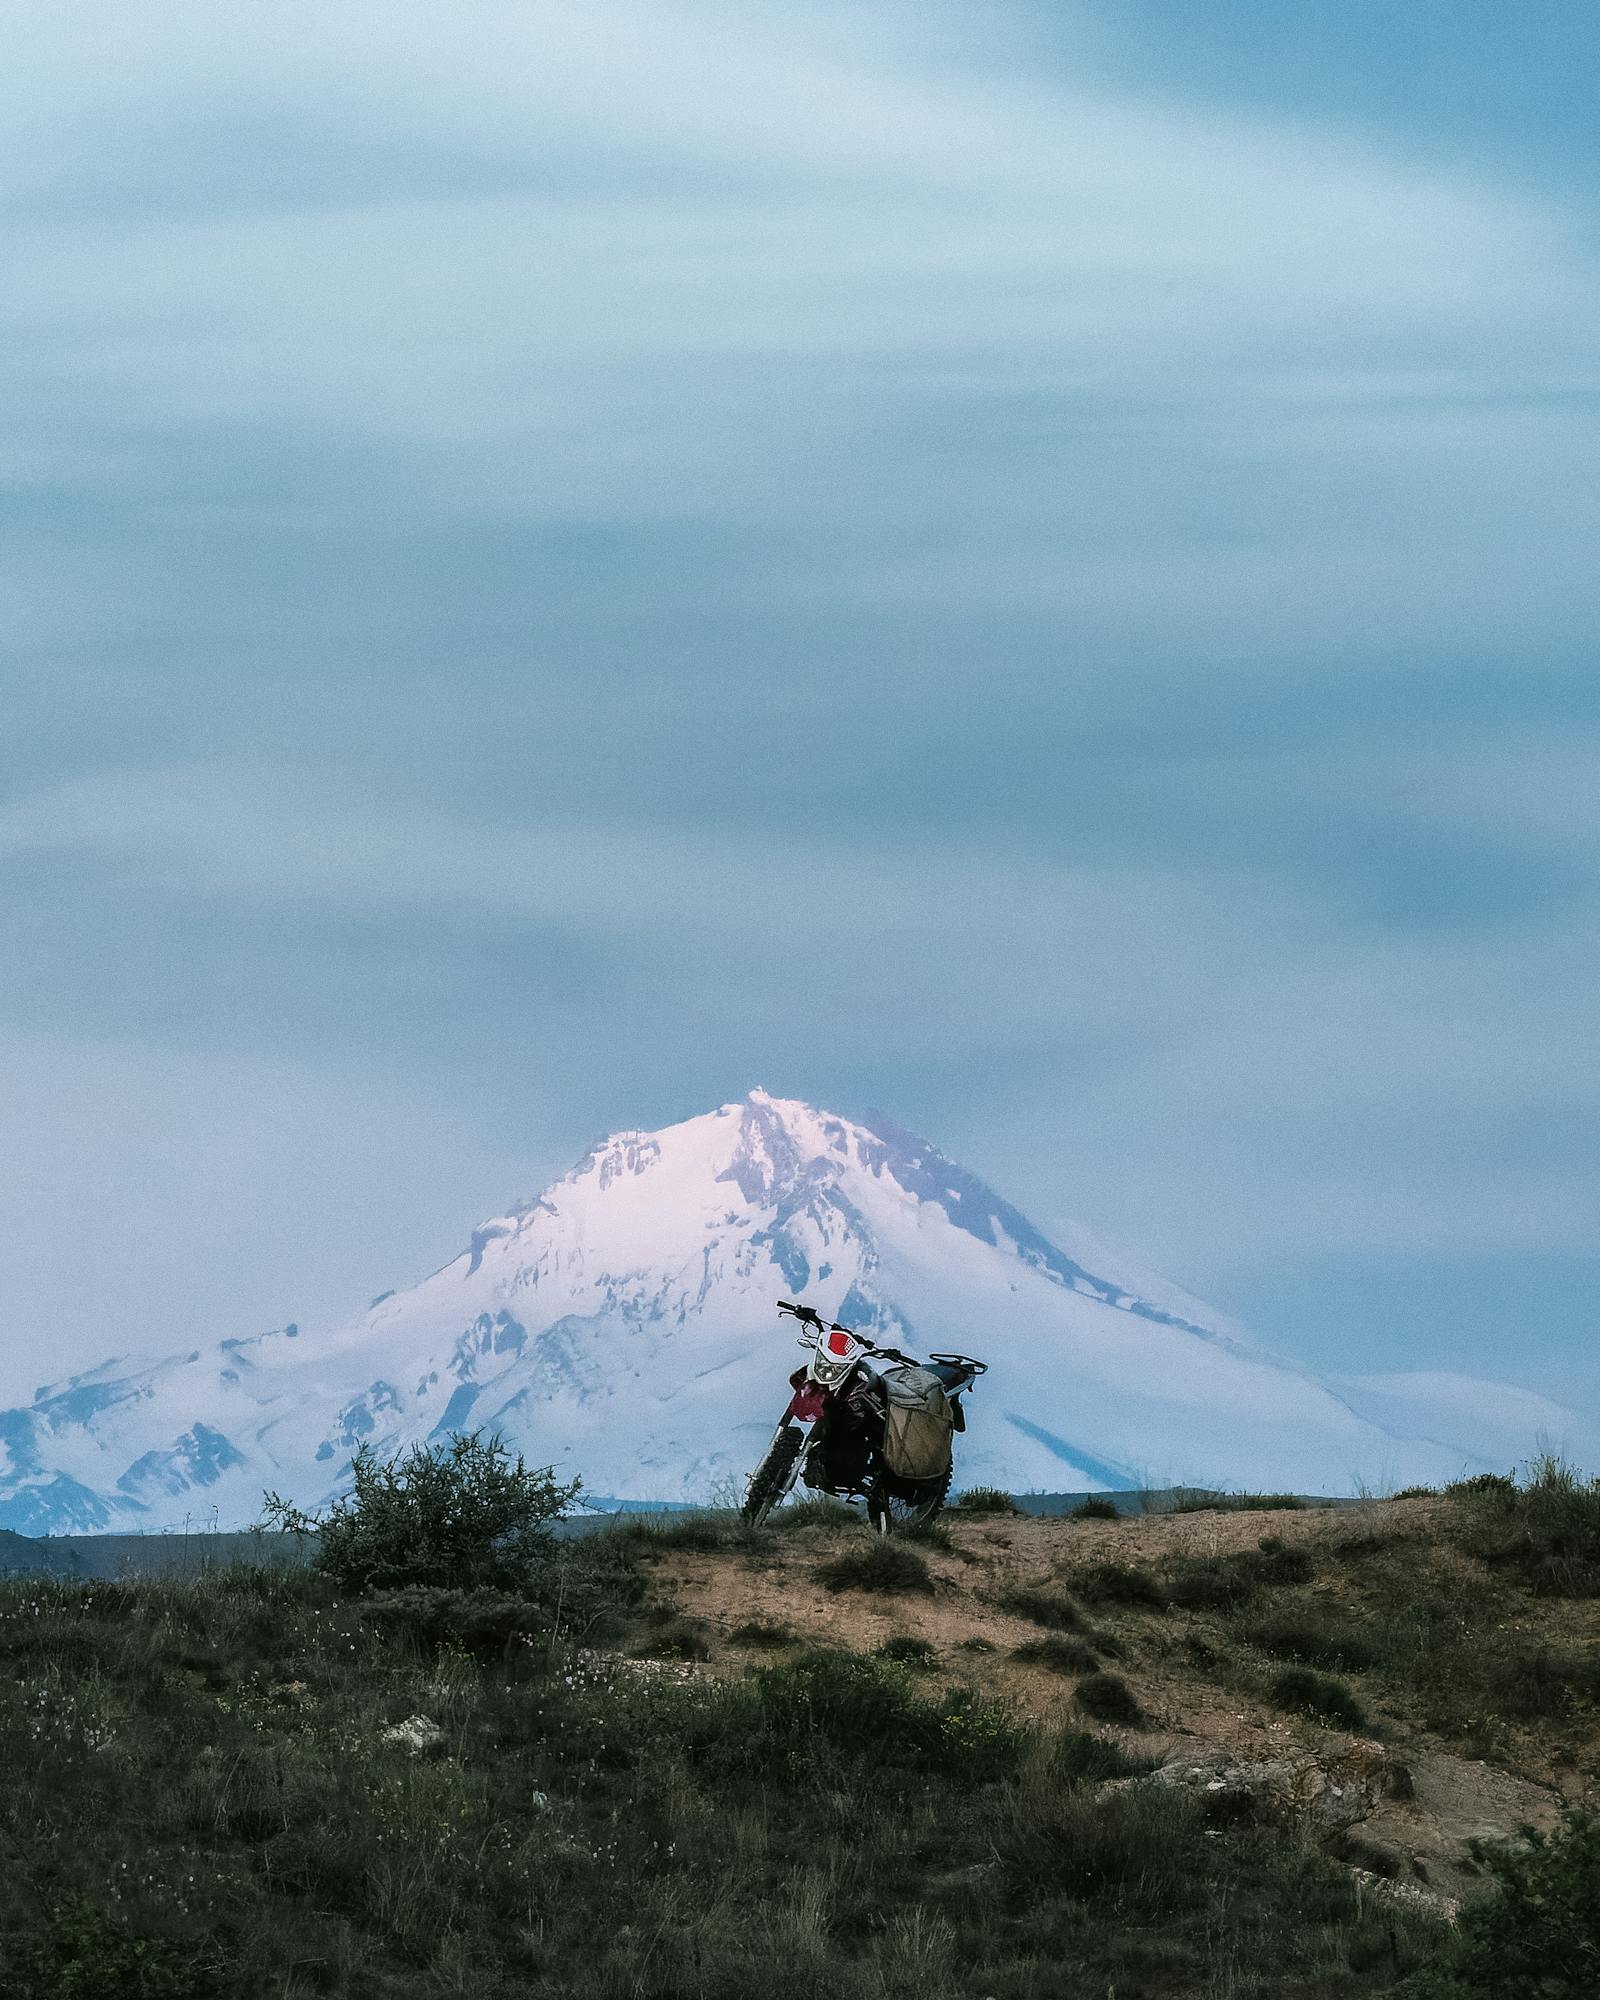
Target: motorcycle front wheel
column 771, row 1479
column 895, row 1506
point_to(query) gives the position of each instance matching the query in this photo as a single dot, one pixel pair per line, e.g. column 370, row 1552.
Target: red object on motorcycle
column 838, row 1342
column 807, row 1403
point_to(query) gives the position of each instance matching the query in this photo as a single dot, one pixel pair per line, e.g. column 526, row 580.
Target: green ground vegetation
column 1537, row 1937
column 218, row 1787
column 881, row 1566
column 1456, row 1622
column 199, row 1796
column 986, row 1500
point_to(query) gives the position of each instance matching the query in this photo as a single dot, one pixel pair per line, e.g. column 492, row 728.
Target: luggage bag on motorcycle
column 917, row 1424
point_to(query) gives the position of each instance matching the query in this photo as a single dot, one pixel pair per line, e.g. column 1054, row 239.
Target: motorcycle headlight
column 830, row 1373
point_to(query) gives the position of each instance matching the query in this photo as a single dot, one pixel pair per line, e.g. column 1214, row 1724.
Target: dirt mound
column 1218, row 1624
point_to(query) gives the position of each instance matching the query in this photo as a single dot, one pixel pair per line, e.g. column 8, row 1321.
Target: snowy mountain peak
column 622, row 1326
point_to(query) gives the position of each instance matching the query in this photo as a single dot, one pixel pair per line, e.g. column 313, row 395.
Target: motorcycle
column 880, row 1426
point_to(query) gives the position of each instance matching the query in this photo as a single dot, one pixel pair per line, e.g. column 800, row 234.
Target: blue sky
column 1030, row 566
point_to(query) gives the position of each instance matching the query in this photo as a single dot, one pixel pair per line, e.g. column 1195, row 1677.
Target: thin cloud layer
column 574, row 558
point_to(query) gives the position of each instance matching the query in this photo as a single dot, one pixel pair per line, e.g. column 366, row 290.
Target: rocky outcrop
column 1326, row 1789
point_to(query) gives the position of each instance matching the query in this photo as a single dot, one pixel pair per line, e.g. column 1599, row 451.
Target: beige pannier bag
column 917, row 1424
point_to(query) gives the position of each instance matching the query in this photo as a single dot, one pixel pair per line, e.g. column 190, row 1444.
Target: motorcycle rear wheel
column 771, row 1479
column 897, row 1512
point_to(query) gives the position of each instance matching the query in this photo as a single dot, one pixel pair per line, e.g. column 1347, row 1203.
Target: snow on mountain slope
column 622, row 1326
column 1502, row 1424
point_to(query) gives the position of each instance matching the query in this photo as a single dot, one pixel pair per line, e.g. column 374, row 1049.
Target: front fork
column 792, row 1471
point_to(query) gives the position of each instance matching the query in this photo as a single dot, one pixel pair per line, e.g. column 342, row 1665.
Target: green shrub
column 85, row 1953
column 1133, row 1892
column 1228, row 1583
column 1280, row 1562
column 485, row 1623
column 909, row 1650
column 1356, row 1548
column 883, row 1566
column 761, row 1632
column 1500, row 1485
column 458, row 1515
column 932, row 1534
column 1416, row 1493
column 1095, row 1508
column 591, row 1588
column 817, row 1510
column 1117, row 1583
column 986, row 1500
column 1210, row 1583
column 1528, row 1683
column 863, row 1708
column 1547, row 1529
column 1108, row 1698
column 1309, row 1636
column 1049, row 1608
column 1061, row 1656
column 705, row 1531
column 1538, row 1936
column 1237, row 1503
column 675, row 1638
column 1445, row 1644
column 1075, row 1757
column 1140, row 1846
column 1299, row 1691
column 593, row 1585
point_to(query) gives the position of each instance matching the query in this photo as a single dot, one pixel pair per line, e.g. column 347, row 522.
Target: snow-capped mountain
column 622, row 1327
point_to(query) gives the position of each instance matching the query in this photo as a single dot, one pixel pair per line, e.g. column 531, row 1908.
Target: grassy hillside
column 691, row 1763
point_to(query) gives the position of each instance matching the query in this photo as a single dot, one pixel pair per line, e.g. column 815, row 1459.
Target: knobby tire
column 770, row 1480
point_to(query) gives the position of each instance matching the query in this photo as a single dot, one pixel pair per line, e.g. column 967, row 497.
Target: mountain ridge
column 620, row 1325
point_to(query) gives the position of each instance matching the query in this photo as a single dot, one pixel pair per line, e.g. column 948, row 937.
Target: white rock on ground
column 418, row 1733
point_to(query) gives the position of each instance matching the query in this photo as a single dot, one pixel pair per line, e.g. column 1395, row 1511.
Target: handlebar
column 816, row 1324
column 809, row 1316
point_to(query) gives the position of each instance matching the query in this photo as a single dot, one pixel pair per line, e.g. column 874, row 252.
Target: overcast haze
column 1031, row 567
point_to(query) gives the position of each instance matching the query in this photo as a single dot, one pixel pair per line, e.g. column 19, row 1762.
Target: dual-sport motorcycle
column 880, row 1424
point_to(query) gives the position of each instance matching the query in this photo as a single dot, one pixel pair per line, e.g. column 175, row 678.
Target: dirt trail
column 1183, row 1666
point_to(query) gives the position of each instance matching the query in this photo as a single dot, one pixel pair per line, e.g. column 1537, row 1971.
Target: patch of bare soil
column 1203, row 1688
